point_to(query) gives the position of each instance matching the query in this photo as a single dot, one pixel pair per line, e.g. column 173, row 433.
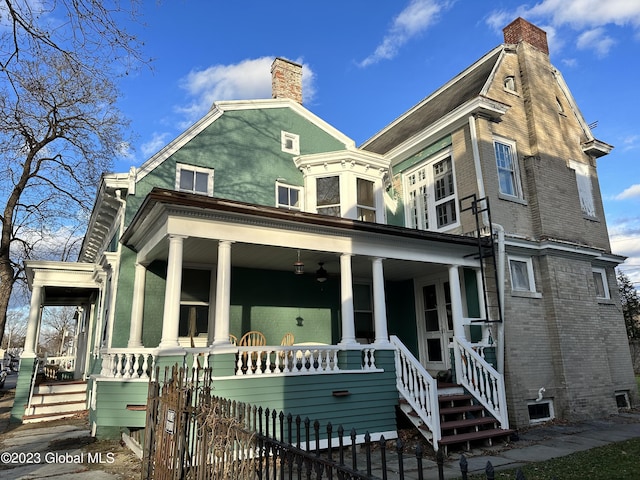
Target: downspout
column 501, row 248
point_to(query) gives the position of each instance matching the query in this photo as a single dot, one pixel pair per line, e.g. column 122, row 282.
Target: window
column 506, row 161
column 365, row 200
column 290, row 143
column 510, row 83
column 432, row 196
column 522, row 279
column 601, row 284
column 194, row 303
column 363, row 312
column 288, row 196
column 540, row 411
column 328, row 196
column 585, row 191
column 194, row 179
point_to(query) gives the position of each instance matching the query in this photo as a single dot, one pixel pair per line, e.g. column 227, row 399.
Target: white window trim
column 300, row 189
column 605, row 284
column 193, row 168
column 552, row 413
column 295, row 141
column 432, row 207
column 585, row 188
column 529, row 263
column 516, row 169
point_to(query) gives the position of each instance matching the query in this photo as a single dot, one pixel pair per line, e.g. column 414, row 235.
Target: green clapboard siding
column 111, row 402
column 370, row 405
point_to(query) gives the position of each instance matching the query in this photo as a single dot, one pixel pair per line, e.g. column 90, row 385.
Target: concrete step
column 61, row 387
column 47, row 398
column 57, row 407
column 47, row 417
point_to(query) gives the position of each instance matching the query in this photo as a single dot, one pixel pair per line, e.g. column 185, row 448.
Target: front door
column 435, row 324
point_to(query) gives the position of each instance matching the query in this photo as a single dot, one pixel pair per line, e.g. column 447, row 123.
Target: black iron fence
column 191, row 434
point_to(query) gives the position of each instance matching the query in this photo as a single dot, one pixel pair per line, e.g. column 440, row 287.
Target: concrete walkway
column 64, row 449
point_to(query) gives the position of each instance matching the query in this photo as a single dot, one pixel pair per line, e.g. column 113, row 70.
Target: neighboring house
column 262, row 217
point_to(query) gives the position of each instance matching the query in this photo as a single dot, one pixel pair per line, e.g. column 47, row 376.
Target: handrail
column 482, row 381
column 418, row 388
column 33, row 384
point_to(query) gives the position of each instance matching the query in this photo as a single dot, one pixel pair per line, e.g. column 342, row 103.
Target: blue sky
column 366, row 62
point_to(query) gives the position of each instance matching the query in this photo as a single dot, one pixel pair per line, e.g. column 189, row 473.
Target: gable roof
column 466, row 86
column 218, row 109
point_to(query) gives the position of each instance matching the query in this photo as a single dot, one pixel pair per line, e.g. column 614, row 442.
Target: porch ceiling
column 198, row 251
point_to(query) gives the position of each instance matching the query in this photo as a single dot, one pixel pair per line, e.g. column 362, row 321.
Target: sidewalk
column 61, row 449
column 67, row 451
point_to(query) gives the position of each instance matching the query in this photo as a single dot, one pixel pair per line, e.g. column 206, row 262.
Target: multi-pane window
column 194, row 179
column 288, row 196
column 432, row 196
column 365, row 200
column 507, row 169
column 328, row 195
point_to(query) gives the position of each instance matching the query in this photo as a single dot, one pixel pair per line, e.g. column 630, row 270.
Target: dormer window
column 194, row 179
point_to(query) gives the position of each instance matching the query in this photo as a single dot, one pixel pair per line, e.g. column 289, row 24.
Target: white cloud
column 410, row 22
column 632, row 192
column 596, row 40
column 152, row 146
column 625, row 240
column 587, row 17
column 248, row 79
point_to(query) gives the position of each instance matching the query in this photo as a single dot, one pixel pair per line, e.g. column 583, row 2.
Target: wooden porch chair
column 253, row 339
column 287, row 340
column 233, row 340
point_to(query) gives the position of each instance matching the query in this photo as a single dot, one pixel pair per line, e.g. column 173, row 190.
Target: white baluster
column 145, row 365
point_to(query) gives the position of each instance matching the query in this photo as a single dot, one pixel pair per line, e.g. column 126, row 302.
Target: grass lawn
column 617, row 461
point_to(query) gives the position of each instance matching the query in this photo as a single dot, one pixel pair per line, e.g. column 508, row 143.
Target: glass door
column 435, row 325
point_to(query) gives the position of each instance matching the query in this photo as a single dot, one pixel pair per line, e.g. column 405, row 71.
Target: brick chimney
column 286, row 79
column 522, row 31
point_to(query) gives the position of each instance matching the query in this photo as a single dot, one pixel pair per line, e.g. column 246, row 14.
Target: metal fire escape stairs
column 473, row 409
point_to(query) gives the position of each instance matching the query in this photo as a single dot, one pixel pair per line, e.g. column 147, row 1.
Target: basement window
column 622, row 399
column 540, row 412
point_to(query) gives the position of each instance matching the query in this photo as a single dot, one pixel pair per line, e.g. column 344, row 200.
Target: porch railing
column 481, row 380
column 128, row 363
column 418, row 388
column 138, row 363
column 66, row 362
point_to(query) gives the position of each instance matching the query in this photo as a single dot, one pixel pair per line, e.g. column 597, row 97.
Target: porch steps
column 56, row 400
column 463, row 423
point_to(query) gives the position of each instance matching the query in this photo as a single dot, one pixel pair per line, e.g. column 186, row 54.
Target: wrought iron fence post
column 464, row 467
column 367, row 446
column 490, row 472
column 400, row 449
column 440, row 463
column 383, row 456
column 419, row 461
column 519, row 475
column 354, row 461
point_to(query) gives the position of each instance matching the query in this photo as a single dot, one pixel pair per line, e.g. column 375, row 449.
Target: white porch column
column 379, row 303
column 137, row 307
column 346, row 295
column 171, row 317
column 33, row 324
column 223, row 294
column 481, row 304
column 456, row 301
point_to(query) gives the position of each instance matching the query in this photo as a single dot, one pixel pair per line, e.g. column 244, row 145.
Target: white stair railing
column 418, row 388
column 481, row 380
